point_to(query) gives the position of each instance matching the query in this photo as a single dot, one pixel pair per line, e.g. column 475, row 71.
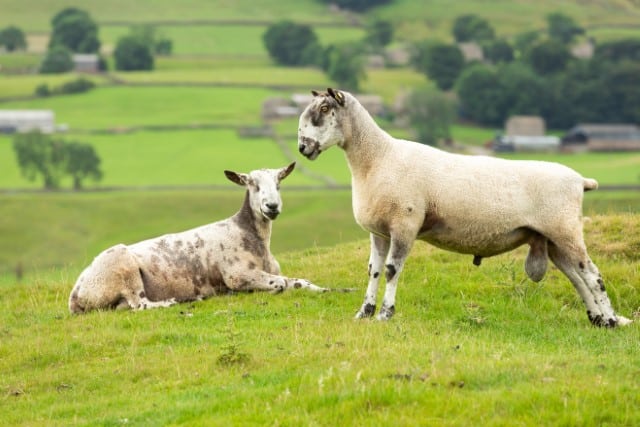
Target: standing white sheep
column 232, row 254
column 477, row 205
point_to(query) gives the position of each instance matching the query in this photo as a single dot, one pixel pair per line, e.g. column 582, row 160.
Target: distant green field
column 35, row 15
column 238, row 40
column 118, row 107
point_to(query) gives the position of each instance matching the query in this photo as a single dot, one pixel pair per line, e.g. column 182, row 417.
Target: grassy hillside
column 468, row 345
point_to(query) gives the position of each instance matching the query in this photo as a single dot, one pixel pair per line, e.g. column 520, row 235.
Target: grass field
column 468, row 345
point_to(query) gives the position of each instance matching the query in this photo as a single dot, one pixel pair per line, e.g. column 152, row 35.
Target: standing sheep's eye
column 324, row 108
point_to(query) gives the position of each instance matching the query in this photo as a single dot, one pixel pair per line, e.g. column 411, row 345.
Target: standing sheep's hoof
column 367, row 310
column 386, row 313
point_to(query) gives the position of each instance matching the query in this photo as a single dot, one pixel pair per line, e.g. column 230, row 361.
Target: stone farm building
column 602, row 137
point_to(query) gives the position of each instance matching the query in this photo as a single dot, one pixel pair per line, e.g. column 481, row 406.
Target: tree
column 357, row 5
column 441, row 62
column 133, row 53
column 76, row 30
column 40, row 156
column 472, row 27
column 289, row 43
column 562, row 28
column 548, row 57
column 498, row 51
column 344, row 64
column 431, row 114
column 523, row 91
column 57, row 60
column 82, row 163
column 481, row 95
column 13, row 38
column 379, row 33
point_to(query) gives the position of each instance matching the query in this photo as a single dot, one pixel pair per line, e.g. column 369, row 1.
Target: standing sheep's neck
column 255, row 226
column 365, row 142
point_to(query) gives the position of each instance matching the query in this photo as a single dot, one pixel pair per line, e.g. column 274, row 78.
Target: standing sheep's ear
column 285, row 171
column 337, row 95
column 238, row 178
column 315, row 93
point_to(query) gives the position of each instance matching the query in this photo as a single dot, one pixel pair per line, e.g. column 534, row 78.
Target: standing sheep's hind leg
column 575, row 263
column 379, row 250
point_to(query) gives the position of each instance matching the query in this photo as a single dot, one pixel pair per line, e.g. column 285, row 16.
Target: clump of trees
column 13, row 38
column 51, row 159
column 292, row 44
column 536, row 75
column 73, row 31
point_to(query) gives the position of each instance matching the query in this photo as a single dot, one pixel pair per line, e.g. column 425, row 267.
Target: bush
column 42, row 90
column 76, row 86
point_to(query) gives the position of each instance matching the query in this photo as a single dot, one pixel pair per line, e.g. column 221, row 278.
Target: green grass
column 118, row 107
column 468, row 345
column 44, row 230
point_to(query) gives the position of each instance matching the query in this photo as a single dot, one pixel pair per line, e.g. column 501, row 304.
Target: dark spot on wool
column 221, row 247
column 601, row 283
column 297, row 285
column 252, row 265
column 141, row 294
column 369, row 270
column 581, row 265
column 391, row 272
column 376, row 274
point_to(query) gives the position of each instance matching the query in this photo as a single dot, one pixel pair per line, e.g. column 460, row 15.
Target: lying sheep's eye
column 324, row 108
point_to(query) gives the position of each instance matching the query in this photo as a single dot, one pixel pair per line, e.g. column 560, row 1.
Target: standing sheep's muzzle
column 308, row 147
column 271, row 211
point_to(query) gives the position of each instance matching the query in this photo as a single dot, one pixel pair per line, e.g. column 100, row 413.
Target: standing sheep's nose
column 272, row 206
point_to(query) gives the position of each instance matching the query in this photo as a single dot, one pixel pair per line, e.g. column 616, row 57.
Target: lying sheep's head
column 263, row 188
column 319, row 126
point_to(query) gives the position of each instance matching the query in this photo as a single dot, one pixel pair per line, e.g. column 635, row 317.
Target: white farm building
column 12, row 121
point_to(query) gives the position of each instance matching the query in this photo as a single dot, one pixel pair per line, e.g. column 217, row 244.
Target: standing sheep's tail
column 590, row 184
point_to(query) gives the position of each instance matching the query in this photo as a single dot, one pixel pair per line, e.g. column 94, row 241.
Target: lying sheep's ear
column 238, row 178
column 285, row 171
column 337, row 95
column 315, row 93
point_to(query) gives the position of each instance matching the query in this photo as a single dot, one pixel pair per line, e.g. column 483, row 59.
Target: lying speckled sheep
column 232, row 254
column 477, row 205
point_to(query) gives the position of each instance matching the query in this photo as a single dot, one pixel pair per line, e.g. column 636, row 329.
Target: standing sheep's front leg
column 379, row 250
column 394, row 264
column 258, row 280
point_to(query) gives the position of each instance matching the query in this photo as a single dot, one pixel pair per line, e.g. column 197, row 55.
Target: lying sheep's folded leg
column 256, row 280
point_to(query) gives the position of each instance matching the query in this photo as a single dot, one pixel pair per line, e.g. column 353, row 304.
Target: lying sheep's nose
column 301, row 148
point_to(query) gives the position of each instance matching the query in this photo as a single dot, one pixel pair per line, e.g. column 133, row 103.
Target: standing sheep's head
column 320, row 127
column 263, row 186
